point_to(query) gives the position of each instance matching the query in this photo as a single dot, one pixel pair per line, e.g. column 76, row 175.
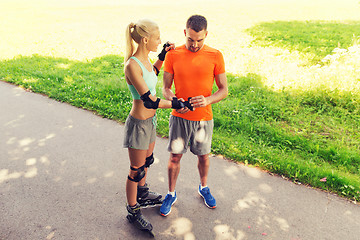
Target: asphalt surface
column 63, row 172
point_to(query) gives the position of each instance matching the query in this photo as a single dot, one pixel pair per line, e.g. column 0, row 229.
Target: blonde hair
column 135, row 32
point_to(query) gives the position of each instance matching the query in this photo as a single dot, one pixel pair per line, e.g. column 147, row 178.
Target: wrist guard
column 176, row 104
column 148, row 103
column 163, row 52
column 188, row 105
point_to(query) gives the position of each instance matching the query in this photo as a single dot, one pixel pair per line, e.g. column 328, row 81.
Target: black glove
column 163, row 52
column 188, row 105
column 176, row 104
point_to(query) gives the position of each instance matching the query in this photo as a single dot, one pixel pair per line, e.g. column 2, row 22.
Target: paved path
column 62, row 175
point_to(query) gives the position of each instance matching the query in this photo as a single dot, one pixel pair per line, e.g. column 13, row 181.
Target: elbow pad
column 148, row 103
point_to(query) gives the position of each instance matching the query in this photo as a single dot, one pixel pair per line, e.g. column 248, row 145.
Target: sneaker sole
column 164, row 215
column 205, row 201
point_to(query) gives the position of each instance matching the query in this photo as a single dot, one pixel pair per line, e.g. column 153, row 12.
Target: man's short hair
column 197, row 23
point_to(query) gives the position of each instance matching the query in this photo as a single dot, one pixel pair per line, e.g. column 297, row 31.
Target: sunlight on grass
column 88, row 29
column 68, row 79
column 30, row 80
column 63, row 66
column 282, row 70
column 310, row 55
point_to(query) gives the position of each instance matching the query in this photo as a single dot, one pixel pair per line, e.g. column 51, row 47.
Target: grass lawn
column 294, row 88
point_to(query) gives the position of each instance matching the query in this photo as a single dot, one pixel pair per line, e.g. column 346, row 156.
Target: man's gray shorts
column 139, row 133
column 197, row 133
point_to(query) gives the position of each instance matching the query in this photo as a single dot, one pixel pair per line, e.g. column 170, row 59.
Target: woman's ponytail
column 129, row 51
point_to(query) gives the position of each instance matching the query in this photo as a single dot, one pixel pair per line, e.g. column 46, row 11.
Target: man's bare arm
column 167, row 83
column 168, row 80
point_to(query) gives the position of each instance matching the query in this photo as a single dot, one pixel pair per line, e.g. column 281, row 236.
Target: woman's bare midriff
column 139, row 111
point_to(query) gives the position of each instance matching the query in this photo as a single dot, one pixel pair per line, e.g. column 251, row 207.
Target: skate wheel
column 129, row 219
column 151, row 233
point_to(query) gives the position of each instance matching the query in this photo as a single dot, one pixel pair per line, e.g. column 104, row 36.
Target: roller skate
column 148, row 198
column 138, row 220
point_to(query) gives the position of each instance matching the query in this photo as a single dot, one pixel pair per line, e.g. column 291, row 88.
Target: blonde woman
column 140, row 126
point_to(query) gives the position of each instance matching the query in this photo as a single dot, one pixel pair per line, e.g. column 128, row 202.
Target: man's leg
column 178, row 140
column 203, row 166
column 173, row 173
column 173, row 170
column 204, row 191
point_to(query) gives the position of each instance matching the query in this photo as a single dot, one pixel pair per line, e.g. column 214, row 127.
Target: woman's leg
column 148, row 154
column 145, row 197
column 137, row 160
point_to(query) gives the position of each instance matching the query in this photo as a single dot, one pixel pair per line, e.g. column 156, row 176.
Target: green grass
column 95, row 85
column 291, row 135
column 304, row 135
column 317, row 38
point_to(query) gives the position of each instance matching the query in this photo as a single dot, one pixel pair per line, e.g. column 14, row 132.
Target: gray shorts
column 183, row 132
column 139, row 133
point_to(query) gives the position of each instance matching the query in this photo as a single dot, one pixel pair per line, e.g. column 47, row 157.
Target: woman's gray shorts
column 198, row 133
column 139, row 133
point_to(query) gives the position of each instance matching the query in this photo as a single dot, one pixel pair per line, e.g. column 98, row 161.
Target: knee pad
column 140, row 174
column 149, row 160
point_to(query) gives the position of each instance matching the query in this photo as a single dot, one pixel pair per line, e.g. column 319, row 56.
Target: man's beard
column 192, row 49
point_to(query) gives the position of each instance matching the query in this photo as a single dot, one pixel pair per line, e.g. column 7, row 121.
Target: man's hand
column 199, row 101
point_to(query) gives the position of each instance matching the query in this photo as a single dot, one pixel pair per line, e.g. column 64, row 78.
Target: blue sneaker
column 165, row 208
column 208, row 198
